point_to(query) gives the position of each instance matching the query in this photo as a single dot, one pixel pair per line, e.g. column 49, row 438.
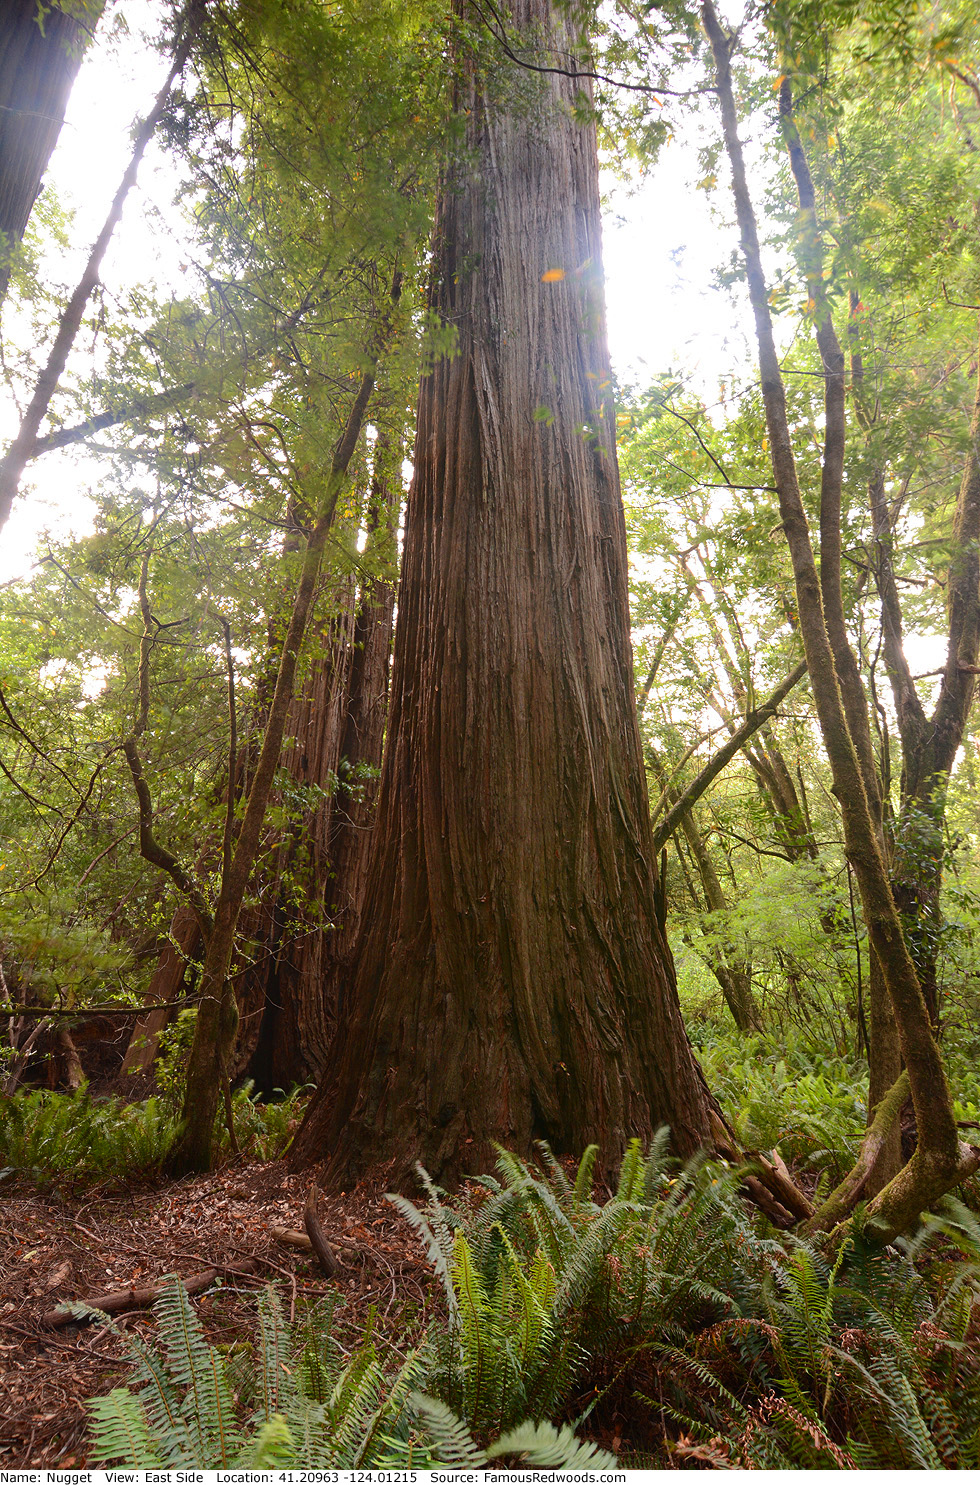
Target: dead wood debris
column 139, row 1299
column 326, row 1257
column 94, row 1245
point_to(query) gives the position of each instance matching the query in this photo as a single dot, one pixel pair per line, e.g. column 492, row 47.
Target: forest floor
column 58, row 1246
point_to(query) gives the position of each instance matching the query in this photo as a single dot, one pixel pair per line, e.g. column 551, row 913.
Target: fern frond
column 582, row 1193
column 656, row 1164
column 271, row 1448
column 120, row 1432
column 389, row 1415
column 448, row 1432
column 560, row 1183
column 438, row 1245
column 358, row 1405
column 194, row 1365
column 542, row 1446
column 587, row 1262
column 630, row 1172
column 274, row 1372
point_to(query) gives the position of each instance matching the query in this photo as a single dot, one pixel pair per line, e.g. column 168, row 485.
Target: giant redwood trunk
column 41, row 48
column 352, row 822
column 512, row 980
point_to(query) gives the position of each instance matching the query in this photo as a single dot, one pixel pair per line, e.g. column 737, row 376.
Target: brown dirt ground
column 66, row 1245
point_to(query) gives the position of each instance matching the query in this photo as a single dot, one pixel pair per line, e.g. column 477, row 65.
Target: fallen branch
column 138, row 1299
column 292, row 1239
column 775, row 1176
column 318, row 1238
column 767, row 1183
column 767, row 1203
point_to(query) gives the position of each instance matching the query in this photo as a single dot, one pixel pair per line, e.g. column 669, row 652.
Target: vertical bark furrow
column 512, row 977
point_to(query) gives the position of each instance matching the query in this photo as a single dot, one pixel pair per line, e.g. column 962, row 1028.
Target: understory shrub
column 293, row 1398
column 776, row 1090
column 45, row 1134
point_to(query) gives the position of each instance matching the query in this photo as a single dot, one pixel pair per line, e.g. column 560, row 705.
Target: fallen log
column 139, row 1299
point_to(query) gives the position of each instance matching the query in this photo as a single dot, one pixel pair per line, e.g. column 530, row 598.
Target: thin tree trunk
column 884, row 1068
column 940, row 1161
column 930, row 743
column 736, row 743
column 291, row 991
column 884, row 1058
column 735, row 979
column 180, row 949
column 281, row 991
column 512, row 979
column 209, row 1064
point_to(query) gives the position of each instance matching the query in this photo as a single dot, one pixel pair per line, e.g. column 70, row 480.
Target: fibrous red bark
column 512, row 978
column 289, row 998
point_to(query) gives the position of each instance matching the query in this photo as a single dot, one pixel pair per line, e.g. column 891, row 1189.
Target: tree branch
column 13, row 464
column 144, row 407
column 724, row 755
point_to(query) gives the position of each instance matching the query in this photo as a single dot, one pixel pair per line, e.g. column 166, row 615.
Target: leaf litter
column 57, row 1245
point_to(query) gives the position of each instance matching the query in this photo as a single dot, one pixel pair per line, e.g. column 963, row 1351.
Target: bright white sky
column 660, row 248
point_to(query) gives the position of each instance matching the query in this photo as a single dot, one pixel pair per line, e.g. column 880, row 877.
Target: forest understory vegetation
column 489, row 849
column 661, row 1322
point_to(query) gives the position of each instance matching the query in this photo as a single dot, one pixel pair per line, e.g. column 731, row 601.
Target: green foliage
column 776, row 1090
column 542, row 1284
column 539, row 1444
column 870, row 1362
column 170, row 1066
column 48, row 1135
column 294, row 1399
column 706, row 1338
column 57, row 961
column 264, row 1130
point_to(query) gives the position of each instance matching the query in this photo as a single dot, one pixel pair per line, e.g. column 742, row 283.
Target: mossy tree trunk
column 940, row 1160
